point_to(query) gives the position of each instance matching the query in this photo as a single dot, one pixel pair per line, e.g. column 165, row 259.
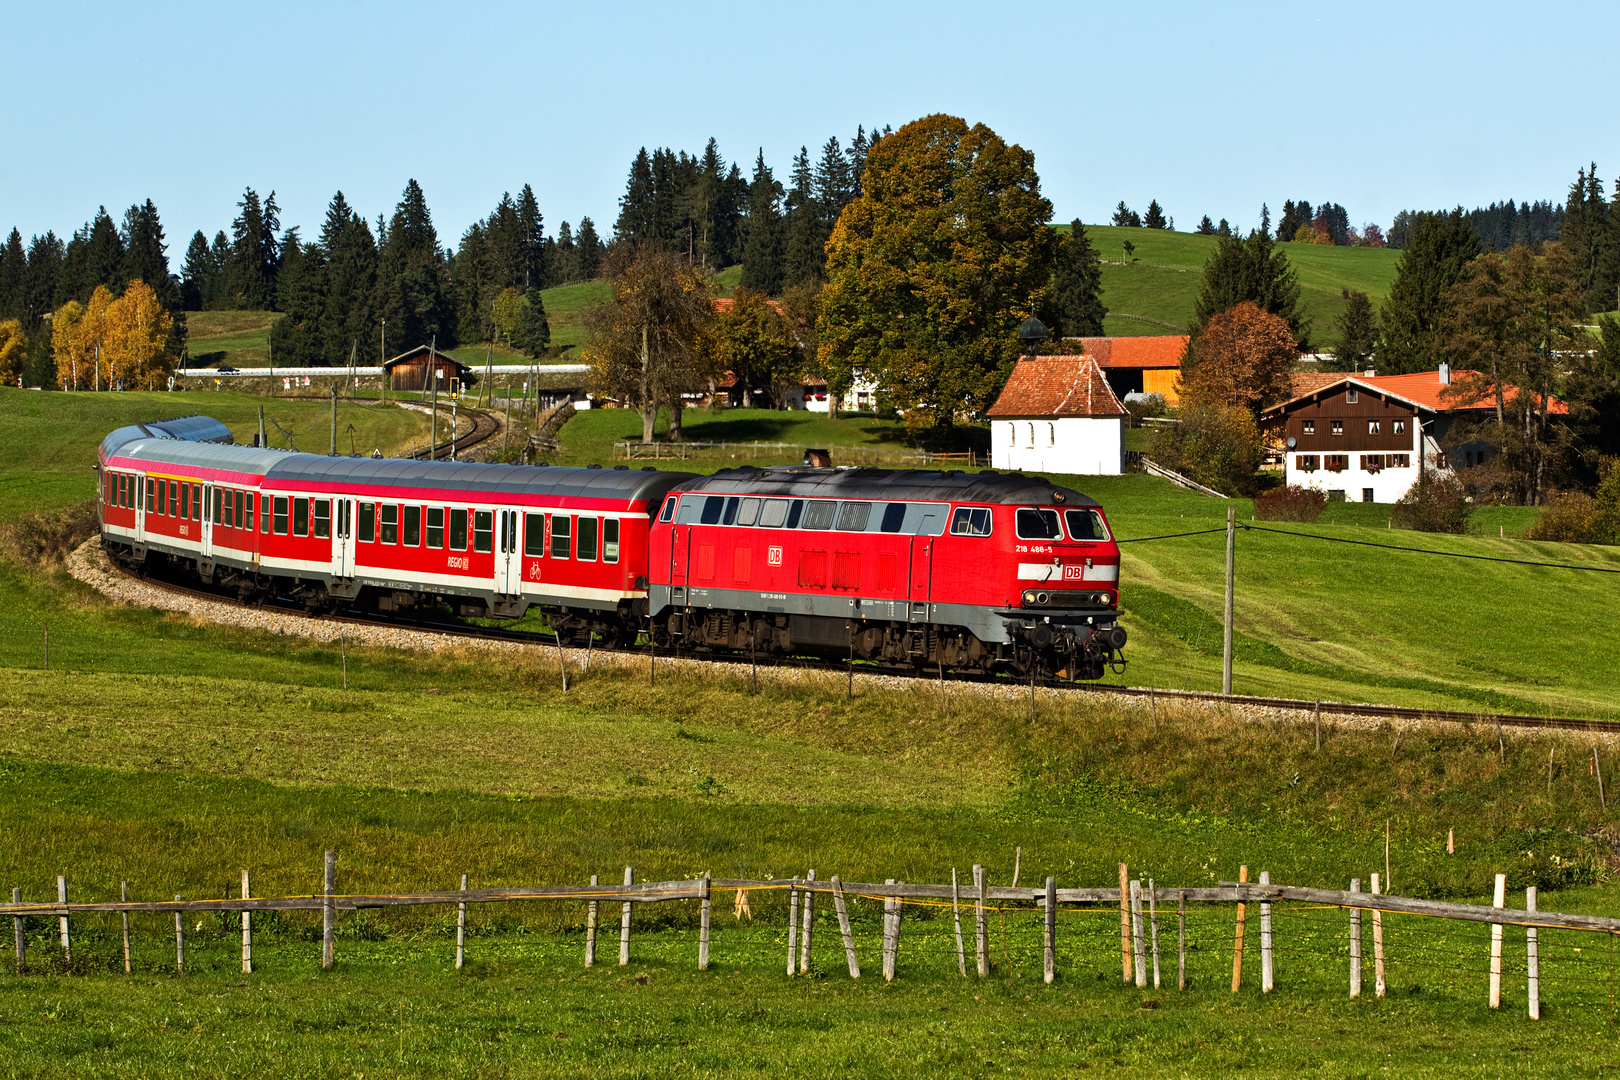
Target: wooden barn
column 409, row 371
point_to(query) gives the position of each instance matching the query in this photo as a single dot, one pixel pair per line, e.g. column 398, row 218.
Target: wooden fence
column 842, row 455
column 1141, row 907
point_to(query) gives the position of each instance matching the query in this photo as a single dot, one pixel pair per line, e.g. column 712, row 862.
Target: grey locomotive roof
column 902, row 484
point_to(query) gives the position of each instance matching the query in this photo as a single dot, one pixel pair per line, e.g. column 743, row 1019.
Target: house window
column 1309, row 426
column 1338, row 427
column 1335, row 495
column 1366, row 494
column 1352, row 396
column 1336, row 462
column 1051, row 434
column 1031, row 427
column 1397, row 461
column 1372, row 463
column 1372, row 427
column 1307, row 463
column 1012, row 434
column 1398, row 427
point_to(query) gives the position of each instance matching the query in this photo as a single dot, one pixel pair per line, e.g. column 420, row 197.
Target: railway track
column 484, row 425
column 1331, row 708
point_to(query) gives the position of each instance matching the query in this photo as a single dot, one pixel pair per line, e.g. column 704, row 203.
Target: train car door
column 680, row 548
column 140, row 482
column 922, row 563
column 206, row 537
column 506, row 552
column 343, row 537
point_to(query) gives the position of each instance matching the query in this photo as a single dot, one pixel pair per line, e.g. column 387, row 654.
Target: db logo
column 1074, row 573
column 774, row 556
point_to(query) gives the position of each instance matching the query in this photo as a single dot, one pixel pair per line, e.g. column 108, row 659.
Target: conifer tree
column 194, row 272
column 1125, row 216
column 588, row 250
column 562, row 266
column 14, row 278
column 254, row 259
column 1252, row 269
column 146, row 255
column 1155, row 217
column 45, row 256
column 1223, row 229
column 532, row 334
column 1358, row 331
column 94, row 256
column 348, row 322
column 1074, row 304
column 1438, row 248
column 531, row 241
column 412, row 278
column 635, row 223
column 295, row 338
column 1206, row 227
column 805, row 237
column 762, row 250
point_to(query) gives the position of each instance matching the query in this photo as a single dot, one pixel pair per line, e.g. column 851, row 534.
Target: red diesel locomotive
column 979, row 571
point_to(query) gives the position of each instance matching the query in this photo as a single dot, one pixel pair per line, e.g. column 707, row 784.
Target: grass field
column 235, row 338
column 171, row 753
column 589, row 437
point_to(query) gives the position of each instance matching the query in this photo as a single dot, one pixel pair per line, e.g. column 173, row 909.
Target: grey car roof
column 893, row 484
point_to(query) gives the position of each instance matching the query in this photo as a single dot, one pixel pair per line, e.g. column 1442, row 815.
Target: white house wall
column 1388, row 485
column 1084, row 446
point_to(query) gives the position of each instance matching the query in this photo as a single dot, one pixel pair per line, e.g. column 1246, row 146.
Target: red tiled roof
column 1057, row 386
column 722, row 304
column 1422, row 388
column 1136, row 352
column 1308, row 382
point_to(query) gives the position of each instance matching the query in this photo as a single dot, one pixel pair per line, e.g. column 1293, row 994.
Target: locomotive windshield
column 1039, row 523
column 1086, row 525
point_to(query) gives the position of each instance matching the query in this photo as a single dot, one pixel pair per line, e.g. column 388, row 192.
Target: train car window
column 185, row 500
column 458, row 530
column 971, row 521
column 280, row 518
column 368, row 522
column 174, row 498
column 412, row 531
column 773, row 513
column 852, row 516
column 300, row 517
column 264, row 513
column 713, row 507
column 243, row 512
column 585, row 545
column 534, row 535
column 390, row 524
column 1085, row 525
column 669, row 509
column 819, row 514
column 748, row 512
column 1038, row 523
column 560, row 530
column 894, row 516
column 435, row 526
column 218, row 510
column 610, row 540
column 483, row 530
column 795, row 512
column 196, row 502
column 151, row 490
column 730, row 516
column 323, row 517
column 126, row 484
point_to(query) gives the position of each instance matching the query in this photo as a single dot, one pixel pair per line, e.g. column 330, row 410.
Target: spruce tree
column 635, row 223
column 1206, row 227
column 1252, row 269
column 1438, row 247
column 1358, row 331
column 1155, row 217
column 1223, row 229
column 413, row 291
column 348, row 314
column 45, row 256
column 1125, row 217
column 194, row 272
column 834, row 183
column 805, row 239
column 1074, row 304
column 146, row 255
column 531, row 241
column 254, row 259
column 532, row 334
column 762, row 250
column 14, row 280
column 300, row 292
column 588, row 250
column 561, row 264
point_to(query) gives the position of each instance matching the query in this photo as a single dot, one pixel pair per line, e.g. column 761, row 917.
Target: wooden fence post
column 894, row 945
column 793, row 928
column 1153, row 929
column 329, row 913
column 849, row 936
column 956, row 919
column 1181, row 945
column 1124, row 923
column 1266, row 971
column 1498, row 899
column 1379, row 986
column 809, row 926
column 704, row 908
column 1051, row 931
column 1138, row 951
column 591, row 910
column 1237, row 941
column 123, row 895
column 247, row 931
column 981, row 929
column 624, row 920
column 179, row 939
column 17, row 929
column 1532, row 957
column 1355, row 943
column 67, row 939
column 888, row 934
column 461, row 925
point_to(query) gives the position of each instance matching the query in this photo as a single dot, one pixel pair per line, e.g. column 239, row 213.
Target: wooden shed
column 410, row 371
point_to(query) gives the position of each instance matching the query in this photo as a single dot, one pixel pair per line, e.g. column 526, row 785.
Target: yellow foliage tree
column 75, row 335
column 109, row 341
column 13, row 351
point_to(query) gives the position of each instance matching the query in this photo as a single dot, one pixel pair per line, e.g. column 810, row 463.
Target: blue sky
column 1208, row 108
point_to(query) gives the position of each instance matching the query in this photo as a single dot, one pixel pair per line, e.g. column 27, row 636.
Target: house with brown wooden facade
column 1369, row 438
column 413, row 370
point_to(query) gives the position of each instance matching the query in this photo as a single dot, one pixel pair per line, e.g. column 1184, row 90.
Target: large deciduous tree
column 1437, row 247
column 751, row 340
column 933, row 268
column 648, row 343
column 1245, row 358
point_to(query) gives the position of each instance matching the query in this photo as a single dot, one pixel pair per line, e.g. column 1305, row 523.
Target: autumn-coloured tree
column 109, row 341
column 931, row 271
column 76, row 339
column 649, row 343
column 1245, row 358
column 508, row 309
column 751, row 340
column 13, row 351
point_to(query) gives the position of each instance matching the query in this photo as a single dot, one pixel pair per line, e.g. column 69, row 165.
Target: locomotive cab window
column 390, row 523
column 1085, row 525
column 1038, row 523
column 483, row 530
column 585, row 544
column 458, row 530
column 713, row 507
column 300, row 517
column 852, row 516
column 818, row 514
column 610, row 540
column 729, row 517
column 773, row 513
column 412, row 527
column 894, row 517
column 669, row 509
column 561, row 530
column 748, row 512
column 435, row 526
column 280, row 519
column 368, row 522
column 971, row 521
column 534, row 535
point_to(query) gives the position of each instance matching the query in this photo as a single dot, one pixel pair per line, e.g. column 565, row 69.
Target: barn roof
column 1056, row 386
column 1158, row 351
column 419, row 354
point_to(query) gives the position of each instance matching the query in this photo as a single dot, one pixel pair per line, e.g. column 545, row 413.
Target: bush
column 1435, row 504
column 1571, row 517
column 1144, row 406
column 1216, row 445
column 1291, row 503
column 45, row 539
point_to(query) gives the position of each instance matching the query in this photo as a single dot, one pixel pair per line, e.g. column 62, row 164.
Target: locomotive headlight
column 1102, row 598
column 1029, row 599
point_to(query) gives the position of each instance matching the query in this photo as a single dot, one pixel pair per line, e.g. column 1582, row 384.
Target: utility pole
column 333, row 451
column 262, row 442
column 382, row 358
column 1231, row 552
column 433, row 377
column 489, row 357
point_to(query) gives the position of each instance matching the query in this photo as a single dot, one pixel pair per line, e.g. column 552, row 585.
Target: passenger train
column 981, row 571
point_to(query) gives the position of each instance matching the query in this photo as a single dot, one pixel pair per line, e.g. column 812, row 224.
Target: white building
column 1058, row 414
